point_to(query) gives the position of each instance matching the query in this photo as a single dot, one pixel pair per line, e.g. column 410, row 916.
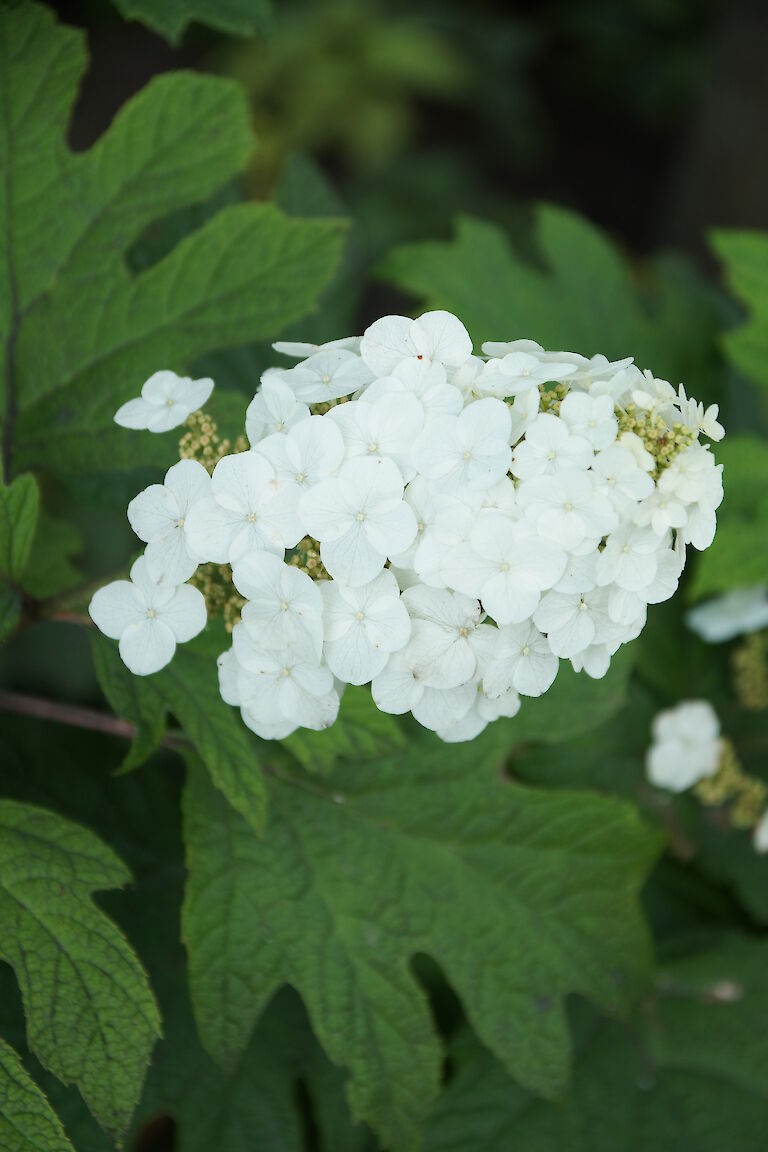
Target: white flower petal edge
column 166, row 401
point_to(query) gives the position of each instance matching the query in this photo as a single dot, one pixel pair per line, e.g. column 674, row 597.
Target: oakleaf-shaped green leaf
column 694, row 1076
column 509, row 889
column 584, row 298
column 80, row 332
column 27, row 1121
column 91, row 1017
column 170, row 17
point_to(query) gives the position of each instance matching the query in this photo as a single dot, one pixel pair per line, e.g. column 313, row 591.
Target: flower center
column 285, row 672
column 466, row 455
column 373, row 447
column 283, row 605
column 251, row 517
column 151, row 613
column 360, row 616
column 526, row 650
column 360, row 517
column 326, row 379
column 169, row 402
column 464, row 631
column 180, row 522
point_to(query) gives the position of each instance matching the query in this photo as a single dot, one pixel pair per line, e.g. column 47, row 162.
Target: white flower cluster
column 478, row 518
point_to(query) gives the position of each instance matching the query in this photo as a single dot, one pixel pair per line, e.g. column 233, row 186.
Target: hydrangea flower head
column 443, row 524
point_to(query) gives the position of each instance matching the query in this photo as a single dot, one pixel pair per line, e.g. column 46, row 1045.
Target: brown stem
column 77, row 717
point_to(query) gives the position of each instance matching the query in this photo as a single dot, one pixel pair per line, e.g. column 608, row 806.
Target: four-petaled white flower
column 437, row 337
column 247, row 511
column 284, row 608
column 158, row 516
column 549, row 447
column 426, row 382
column 360, row 519
column 471, row 449
column 591, row 417
column 148, row 619
column 363, row 626
column 281, row 689
column 166, row 401
column 520, row 658
column 517, row 372
column 326, row 375
column 384, row 428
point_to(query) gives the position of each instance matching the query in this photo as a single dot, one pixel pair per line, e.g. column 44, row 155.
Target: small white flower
column 483, row 712
column 549, row 447
column 309, row 452
column 166, row 401
column 426, row 382
column 326, row 376
column 247, row 511
column 398, row 689
column 507, row 565
column 387, row 426
column 620, row 476
column 363, row 626
column 437, row 337
column 574, row 621
column 686, row 746
column 441, row 649
column 300, row 350
column 591, row 417
column 147, row 619
column 594, row 660
column 736, row 613
column 520, row 659
column 662, row 511
column 518, row 372
column 284, row 609
column 360, row 519
column 524, row 410
column 278, row 687
column 158, row 516
column 273, row 409
column 568, row 508
column 471, row 449
column 630, row 558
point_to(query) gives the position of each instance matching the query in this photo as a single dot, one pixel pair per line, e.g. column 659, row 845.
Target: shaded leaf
column 134, row 698
column 745, row 255
column 170, row 18
column 82, row 332
column 694, row 1076
column 91, row 1017
column 19, row 505
column 27, row 1121
column 357, row 873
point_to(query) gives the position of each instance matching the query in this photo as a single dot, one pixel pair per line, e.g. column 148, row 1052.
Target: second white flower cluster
column 478, row 519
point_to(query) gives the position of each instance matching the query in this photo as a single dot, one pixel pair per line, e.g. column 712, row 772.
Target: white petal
column 189, row 482
column 442, row 337
column 168, row 560
column 185, row 615
column 135, row 414
column 386, row 343
column 211, row 530
column 147, row 647
column 353, row 658
column 115, row 607
column 439, row 708
column 351, row 558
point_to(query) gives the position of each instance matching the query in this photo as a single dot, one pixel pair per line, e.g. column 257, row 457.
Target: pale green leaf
column 19, row 505
column 695, row 1075
column 27, row 1121
column 91, row 1017
column 81, row 331
column 170, row 18
column 583, row 298
column 358, row 872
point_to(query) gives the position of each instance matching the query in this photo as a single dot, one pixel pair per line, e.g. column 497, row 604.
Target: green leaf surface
column 359, row 872
column 361, row 732
column 583, row 297
column 91, row 1017
column 745, row 256
column 19, row 506
column 50, row 570
column 695, row 1075
column 81, row 331
column 189, row 689
column 134, row 698
column 27, row 1121
column 10, row 610
column 169, row 18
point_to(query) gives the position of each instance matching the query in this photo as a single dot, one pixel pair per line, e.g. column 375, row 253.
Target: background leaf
column 692, row 1075
column 19, row 504
column 27, row 1121
column 91, row 1017
column 171, row 17
column 355, row 876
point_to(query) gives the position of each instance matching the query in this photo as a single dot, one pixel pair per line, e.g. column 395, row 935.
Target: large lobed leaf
column 27, row 1121
column 582, row 298
column 80, row 331
column 695, row 1075
column 171, row 17
column 91, row 1017
column 509, row 889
